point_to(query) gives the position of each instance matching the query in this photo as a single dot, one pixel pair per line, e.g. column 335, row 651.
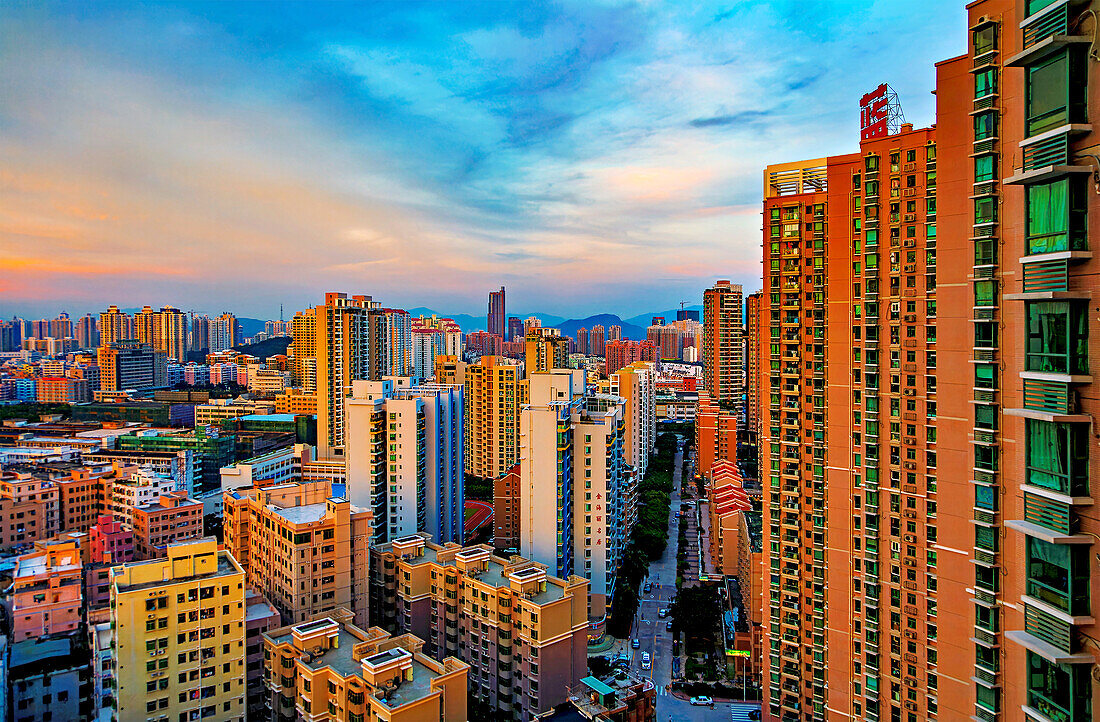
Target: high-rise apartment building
column 723, row 333
column 597, row 340
column 636, row 385
column 625, row 352
column 131, row 365
column 751, row 428
column 494, row 393
column 506, row 509
column 343, row 356
column 515, row 329
column 329, row 666
column 224, row 333
column 715, row 435
column 87, row 331
column 199, row 339
column 546, row 349
column 179, row 635
column 582, row 341
column 850, row 432
column 391, row 345
column 522, row 631
column 303, row 350
column 451, row 371
column 494, row 321
column 1017, row 170
column 301, row 547
column 416, row 483
column 115, row 326
column 572, row 471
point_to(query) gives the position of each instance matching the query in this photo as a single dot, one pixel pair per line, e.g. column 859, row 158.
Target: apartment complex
column 723, row 333
column 332, row 669
column 495, row 391
column 522, row 631
column 494, row 320
column 179, row 635
column 46, row 591
column 302, row 548
column 572, row 471
column 636, row 385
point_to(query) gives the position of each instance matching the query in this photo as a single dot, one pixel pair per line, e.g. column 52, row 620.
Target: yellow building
column 523, row 631
column 303, row 351
column 546, row 349
column 303, row 549
column 450, row 370
column 330, row 669
column 295, row 401
column 495, row 392
column 179, row 631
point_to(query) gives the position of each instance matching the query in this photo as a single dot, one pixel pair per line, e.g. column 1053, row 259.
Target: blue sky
column 595, row 156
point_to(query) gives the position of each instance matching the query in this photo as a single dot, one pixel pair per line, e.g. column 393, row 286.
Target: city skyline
column 423, row 156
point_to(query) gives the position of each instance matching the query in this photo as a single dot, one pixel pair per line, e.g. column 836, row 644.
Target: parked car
column 668, row 625
column 647, row 588
column 636, row 643
column 662, row 612
column 702, row 701
column 646, row 663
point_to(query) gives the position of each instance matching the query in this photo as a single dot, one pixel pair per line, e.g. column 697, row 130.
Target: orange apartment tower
column 1019, row 285
column 723, row 331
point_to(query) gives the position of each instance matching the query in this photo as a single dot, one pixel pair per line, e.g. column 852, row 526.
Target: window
column 1057, row 337
column 1056, row 216
column 1063, row 693
column 985, row 39
column 985, row 210
column 985, row 293
column 1058, row 574
column 1057, row 457
column 985, row 252
column 1055, row 93
column 985, row 168
column 985, row 126
column 985, row 83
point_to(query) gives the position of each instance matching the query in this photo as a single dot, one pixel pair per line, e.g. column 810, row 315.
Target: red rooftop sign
column 874, row 113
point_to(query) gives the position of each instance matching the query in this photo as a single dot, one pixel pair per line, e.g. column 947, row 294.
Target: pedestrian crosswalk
column 740, row 713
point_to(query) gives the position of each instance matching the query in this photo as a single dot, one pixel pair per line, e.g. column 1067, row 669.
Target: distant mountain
column 264, row 349
column 569, row 328
column 251, row 326
column 645, row 319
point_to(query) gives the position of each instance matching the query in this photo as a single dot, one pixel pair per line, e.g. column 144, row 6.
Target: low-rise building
column 615, row 698
column 46, row 591
column 172, row 517
column 48, row 679
column 329, row 668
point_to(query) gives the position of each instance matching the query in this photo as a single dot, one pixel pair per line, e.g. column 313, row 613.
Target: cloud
column 587, row 153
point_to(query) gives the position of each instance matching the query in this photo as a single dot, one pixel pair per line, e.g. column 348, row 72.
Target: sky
column 591, row 156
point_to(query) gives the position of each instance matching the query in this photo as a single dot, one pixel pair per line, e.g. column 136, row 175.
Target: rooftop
column 304, row 514
column 226, row 567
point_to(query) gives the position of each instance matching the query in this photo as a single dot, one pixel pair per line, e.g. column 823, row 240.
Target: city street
column 655, row 639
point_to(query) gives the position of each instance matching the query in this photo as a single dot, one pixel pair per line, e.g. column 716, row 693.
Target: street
column 655, row 639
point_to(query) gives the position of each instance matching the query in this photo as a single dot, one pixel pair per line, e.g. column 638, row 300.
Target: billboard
column 874, row 113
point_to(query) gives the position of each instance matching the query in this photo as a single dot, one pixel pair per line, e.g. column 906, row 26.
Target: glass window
column 1058, row 574
column 1057, row 216
column 985, row 293
column 985, row 83
column 871, row 162
column 985, row 210
column 985, row 39
column 1063, row 693
column 1057, row 456
column 985, row 252
column 1057, row 337
column 1055, row 93
column 985, row 168
column 985, row 126
column 984, row 377
column 985, row 497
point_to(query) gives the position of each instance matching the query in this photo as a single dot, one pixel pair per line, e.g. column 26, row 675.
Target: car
column 668, row 625
column 702, row 701
column 646, row 663
column 636, row 643
column 647, row 588
column 662, row 612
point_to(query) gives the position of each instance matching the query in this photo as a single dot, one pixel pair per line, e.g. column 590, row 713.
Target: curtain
column 1047, row 456
column 1048, row 326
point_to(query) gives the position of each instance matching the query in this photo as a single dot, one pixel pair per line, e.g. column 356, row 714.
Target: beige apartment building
column 302, row 548
column 179, row 635
column 495, row 392
column 328, row 668
column 523, row 632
